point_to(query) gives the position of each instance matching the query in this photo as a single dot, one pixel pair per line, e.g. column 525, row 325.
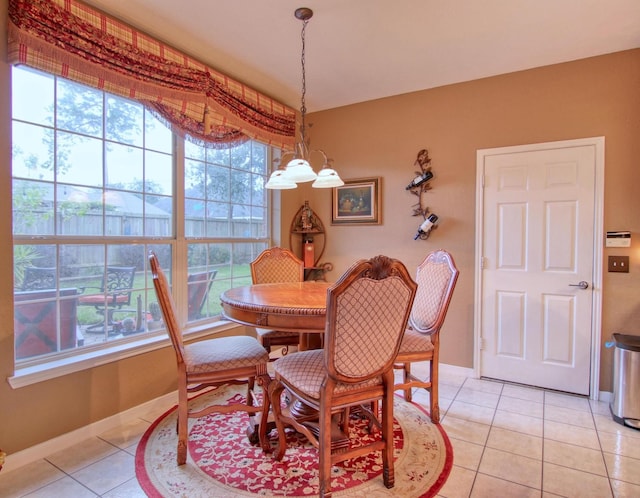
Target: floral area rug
column 221, row 462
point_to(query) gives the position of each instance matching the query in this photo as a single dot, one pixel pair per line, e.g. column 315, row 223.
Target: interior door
column 537, row 276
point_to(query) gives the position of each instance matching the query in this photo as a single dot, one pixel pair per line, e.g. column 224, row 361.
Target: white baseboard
column 42, row 450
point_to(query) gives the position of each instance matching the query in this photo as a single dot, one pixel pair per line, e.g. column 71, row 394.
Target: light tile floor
column 508, row 441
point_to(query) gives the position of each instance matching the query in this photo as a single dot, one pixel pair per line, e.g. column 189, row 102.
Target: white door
column 537, row 256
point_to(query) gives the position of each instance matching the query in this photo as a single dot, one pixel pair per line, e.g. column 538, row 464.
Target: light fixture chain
column 303, row 106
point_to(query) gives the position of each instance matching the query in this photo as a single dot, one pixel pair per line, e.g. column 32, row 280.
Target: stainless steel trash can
column 625, row 406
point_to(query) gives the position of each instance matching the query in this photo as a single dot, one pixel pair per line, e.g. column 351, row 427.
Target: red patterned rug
column 222, row 463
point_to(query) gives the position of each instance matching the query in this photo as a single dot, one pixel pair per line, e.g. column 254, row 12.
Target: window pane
column 123, row 167
column 33, row 208
column 32, row 94
column 158, row 173
column 32, row 152
column 157, row 135
column 124, row 121
column 79, row 210
column 79, row 108
column 79, row 160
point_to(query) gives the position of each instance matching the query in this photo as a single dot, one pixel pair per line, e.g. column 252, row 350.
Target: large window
column 98, row 181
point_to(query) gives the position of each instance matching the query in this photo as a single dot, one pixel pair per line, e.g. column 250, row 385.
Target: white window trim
column 58, row 367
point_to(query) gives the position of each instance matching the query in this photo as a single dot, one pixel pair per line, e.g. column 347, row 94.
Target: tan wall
column 587, row 98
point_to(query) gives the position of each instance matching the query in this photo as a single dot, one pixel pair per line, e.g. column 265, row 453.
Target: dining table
column 288, row 306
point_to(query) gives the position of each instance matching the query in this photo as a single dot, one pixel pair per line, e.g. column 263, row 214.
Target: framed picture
column 357, row 202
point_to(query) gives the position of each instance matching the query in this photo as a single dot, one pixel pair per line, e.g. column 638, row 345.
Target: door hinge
column 482, row 344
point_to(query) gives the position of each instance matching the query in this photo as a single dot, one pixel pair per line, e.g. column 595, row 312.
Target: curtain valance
column 75, row 41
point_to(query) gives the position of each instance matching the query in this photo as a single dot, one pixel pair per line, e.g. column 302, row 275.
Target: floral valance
column 75, row 41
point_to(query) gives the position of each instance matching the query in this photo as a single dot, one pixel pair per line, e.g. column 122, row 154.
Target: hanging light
column 299, row 169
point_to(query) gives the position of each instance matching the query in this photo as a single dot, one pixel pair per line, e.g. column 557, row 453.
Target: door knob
column 582, row 284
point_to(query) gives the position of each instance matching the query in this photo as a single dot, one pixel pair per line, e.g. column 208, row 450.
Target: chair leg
column 275, row 392
column 406, row 375
column 324, row 448
column 183, row 416
column 434, row 407
column 388, row 475
column 264, row 381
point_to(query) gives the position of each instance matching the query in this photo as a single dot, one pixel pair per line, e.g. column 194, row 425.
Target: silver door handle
column 582, row 284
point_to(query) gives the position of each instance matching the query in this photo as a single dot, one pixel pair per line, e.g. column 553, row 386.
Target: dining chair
column 211, row 363
column 276, row 265
column 436, row 277
column 367, row 313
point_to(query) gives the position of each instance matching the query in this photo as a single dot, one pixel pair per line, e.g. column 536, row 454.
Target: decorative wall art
column 358, row 202
column 418, row 187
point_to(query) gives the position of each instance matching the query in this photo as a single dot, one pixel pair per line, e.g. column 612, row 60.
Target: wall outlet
column 619, row 264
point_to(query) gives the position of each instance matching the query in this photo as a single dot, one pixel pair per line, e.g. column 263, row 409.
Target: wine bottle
column 426, row 226
column 419, row 180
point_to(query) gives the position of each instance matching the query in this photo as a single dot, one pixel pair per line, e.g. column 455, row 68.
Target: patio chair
column 367, row 313
column 114, row 295
column 436, row 277
column 212, row 363
column 38, row 278
column 199, row 285
column 277, row 265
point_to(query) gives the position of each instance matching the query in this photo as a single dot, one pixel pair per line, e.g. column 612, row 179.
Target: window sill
column 33, row 374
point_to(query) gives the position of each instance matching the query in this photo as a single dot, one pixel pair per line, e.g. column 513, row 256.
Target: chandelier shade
column 299, row 169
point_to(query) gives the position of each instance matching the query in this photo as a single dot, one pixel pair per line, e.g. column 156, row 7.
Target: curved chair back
column 436, row 277
column 277, row 265
column 167, row 306
column 367, row 313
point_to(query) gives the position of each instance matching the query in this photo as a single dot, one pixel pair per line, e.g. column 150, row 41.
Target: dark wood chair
column 436, row 277
column 276, row 265
column 114, row 295
column 211, row 363
column 37, row 319
column 367, row 313
column 199, row 285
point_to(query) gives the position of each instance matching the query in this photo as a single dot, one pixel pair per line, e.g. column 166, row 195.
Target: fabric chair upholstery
column 367, row 313
column 212, row 363
column 275, row 265
column 436, row 277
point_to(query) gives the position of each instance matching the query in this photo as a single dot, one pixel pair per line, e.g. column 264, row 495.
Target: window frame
column 29, row 372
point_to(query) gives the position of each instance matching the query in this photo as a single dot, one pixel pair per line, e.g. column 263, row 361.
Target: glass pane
column 218, row 183
column 241, row 156
column 194, row 218
column 32, row 95
column 79, row 160
column 79, row 108
column 218, row 156
column 202, row 291
column 32, row 152
column 158, row 216
column 32, row 208
column 218, row 219
column 194, row 151
column 124, row 121
column 259, row 158
column 157, row 135
column 124, row 167
column 79, row 210
column 258, row 193
column 158, row 173
column 194, row 181
column 240, row 187
column 34, row 267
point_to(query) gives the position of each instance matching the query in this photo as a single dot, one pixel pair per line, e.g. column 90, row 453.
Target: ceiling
column 359, row 50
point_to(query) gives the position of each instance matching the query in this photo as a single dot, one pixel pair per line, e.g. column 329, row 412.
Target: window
column 98, row 181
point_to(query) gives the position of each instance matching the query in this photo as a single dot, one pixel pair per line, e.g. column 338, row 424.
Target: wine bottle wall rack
column 419, row 187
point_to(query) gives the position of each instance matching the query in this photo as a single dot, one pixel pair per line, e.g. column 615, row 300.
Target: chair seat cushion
column 415, row 342
column 306, row 371
column 223, row 353
column 97, row 299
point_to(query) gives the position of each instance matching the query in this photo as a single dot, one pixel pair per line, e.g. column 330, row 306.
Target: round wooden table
column 296, row 307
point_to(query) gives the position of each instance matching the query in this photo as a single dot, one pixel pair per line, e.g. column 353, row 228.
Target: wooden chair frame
column 436, row 277
column 367, row 313
column 212, row 363
column 275, row 265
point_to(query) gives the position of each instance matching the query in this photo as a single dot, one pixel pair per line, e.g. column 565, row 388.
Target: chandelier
column 299, row 169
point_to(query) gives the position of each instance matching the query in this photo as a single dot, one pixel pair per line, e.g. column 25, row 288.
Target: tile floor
column 508, row 441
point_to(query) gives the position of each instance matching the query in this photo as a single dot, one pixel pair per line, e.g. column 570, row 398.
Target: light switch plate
column 619, row 264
